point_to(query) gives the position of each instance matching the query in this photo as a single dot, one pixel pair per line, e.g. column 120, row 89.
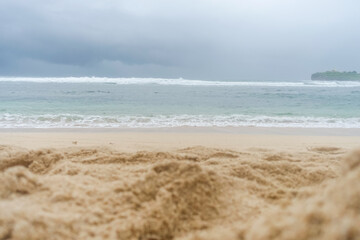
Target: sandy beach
column 179, row 120
column 203, row 183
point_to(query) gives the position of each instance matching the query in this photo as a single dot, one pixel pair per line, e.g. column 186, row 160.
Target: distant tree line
column 335, row 75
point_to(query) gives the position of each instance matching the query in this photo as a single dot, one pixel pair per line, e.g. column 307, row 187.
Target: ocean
column 92, row 102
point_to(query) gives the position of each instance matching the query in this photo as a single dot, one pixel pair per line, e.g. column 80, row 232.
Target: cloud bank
column 210, row 40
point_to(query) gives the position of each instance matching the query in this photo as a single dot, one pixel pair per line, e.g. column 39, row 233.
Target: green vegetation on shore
column 335, row 75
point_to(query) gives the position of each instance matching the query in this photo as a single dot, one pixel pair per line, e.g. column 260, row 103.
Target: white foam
column 93, row 121
column 180, row 81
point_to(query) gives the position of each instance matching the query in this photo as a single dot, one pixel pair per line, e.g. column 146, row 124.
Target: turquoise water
column 100, row 102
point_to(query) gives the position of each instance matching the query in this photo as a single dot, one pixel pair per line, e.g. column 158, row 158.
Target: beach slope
column 156, row 185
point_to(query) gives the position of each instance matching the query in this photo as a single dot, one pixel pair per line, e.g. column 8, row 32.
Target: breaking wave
column 159, row 121
column 180, row 81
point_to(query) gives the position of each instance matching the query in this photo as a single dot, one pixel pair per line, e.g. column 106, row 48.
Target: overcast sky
column 193, row 39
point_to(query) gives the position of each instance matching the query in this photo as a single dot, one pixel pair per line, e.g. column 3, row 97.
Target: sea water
column 92, row 102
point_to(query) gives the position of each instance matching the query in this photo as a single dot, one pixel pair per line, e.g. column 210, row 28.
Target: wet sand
column 179, row 184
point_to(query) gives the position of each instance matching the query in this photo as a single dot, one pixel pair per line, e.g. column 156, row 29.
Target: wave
column 162, row 121
column 180, row 81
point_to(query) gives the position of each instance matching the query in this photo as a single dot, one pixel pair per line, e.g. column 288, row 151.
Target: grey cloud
column 232, row 40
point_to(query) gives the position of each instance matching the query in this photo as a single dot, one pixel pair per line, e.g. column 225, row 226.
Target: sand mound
column 332, row 213
column 163, row 197
column 175, row 197
column 17, row 180
column 192, row 193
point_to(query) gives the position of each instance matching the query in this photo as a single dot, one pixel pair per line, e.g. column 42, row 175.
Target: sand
column 196, row 185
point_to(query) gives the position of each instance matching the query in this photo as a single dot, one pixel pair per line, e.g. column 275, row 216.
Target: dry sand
column 174, row 185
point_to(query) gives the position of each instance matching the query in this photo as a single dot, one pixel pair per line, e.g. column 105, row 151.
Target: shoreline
column 226, row 130
column 165, row 139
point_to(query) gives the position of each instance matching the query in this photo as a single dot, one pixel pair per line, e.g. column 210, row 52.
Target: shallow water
column 110, row 102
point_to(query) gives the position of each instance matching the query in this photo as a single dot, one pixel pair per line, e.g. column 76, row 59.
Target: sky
column 193, row 39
